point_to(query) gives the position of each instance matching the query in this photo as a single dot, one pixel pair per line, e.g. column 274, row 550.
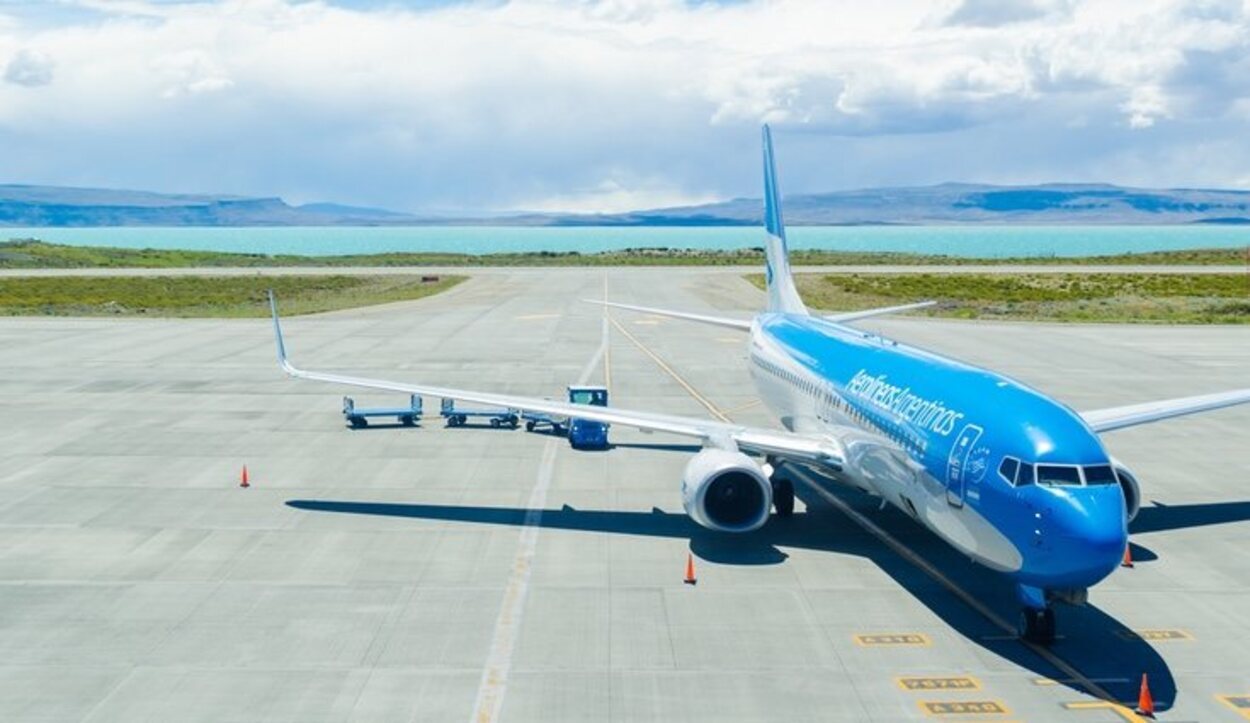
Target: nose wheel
column 1038, row 626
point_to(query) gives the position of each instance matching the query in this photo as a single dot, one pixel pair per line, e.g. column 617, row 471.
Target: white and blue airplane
column 1011, row 477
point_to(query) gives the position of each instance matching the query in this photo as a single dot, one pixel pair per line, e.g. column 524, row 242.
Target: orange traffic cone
column 243, row 478
column 1145, row 702
column 1128, row 556
column 690, row 578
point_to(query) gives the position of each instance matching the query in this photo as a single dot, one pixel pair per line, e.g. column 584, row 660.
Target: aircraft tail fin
column 782, row 295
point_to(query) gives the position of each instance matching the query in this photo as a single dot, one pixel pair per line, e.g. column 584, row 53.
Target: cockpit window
column 1051, row 474
column 1099, row 474
column 1025, row 477
column 1008, row 469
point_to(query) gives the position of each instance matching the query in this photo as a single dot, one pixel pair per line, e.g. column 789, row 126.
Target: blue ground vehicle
column 358, row 416
column 583, row 433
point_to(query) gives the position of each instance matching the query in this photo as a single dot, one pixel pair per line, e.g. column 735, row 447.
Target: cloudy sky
column 616, row 104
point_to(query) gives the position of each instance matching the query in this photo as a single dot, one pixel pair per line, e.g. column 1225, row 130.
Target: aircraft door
column 957, row 463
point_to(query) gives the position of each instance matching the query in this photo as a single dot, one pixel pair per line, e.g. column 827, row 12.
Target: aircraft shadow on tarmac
column 1093, row 642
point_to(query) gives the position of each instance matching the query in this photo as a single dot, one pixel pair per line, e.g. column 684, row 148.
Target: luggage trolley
column 458, row 416
column 359, row 416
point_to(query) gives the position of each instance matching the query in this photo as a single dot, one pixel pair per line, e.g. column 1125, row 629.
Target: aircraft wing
column 807, row 447
column 1106, row 420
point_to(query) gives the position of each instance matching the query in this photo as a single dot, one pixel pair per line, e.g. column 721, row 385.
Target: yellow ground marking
column 743, row 407
column 883, row 639
column 1154, row 635
column 1239, row 703
column 712, row 408
column 945, row 708
column 958, row 682
column 937, row 576
column 1124, row 712
column 647, row 322
column 535, row 317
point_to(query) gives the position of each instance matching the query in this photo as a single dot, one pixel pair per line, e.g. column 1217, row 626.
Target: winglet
column 277, row 335
column 782, row 295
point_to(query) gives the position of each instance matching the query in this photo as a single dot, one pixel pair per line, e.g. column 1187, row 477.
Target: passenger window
column 1008, row 469
column 1099, row 474
column 1049, row 474
column 1025, row 477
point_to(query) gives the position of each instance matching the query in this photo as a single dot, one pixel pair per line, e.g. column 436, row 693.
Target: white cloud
column 29, row 68
column 516, row 103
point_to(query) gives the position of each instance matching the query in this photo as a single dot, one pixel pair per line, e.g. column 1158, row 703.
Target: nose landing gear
column 1037, row 617
column 1038, row 626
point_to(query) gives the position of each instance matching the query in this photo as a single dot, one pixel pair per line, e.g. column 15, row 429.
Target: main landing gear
column 783, row 488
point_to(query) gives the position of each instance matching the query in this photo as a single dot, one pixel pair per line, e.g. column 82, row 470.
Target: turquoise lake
column 984, row 241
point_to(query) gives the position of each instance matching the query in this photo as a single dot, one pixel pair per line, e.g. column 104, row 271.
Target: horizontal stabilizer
column 740, row 324
column 881, row 311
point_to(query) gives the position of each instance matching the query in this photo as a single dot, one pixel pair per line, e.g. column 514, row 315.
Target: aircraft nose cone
column 1088, row 535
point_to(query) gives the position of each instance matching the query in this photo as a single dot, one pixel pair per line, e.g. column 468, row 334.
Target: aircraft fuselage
column 939, row 439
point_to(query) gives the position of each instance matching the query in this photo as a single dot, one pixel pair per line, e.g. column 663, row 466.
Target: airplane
column 1011, row 477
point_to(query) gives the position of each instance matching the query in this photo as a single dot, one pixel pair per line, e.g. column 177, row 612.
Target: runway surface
column 402, row 574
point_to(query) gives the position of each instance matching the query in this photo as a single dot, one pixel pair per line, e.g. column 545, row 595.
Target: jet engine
column 1130, row 488
column 726, row 491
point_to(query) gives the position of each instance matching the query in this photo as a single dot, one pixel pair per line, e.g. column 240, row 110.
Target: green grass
column 205, row 296
column 32, row 254
column 1077, row 297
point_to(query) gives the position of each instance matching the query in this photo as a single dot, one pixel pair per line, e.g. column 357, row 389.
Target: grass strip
column 34, row 254
column 1076, row 297
column 207, row 296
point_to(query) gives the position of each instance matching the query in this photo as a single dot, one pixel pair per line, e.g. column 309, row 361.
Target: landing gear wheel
column 408, row 420
column 494, row 423
column 783, row 495
column 529, row 426
column 1038, row 626
column 358, row 422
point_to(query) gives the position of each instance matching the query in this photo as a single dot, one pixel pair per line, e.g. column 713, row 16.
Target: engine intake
column 726, row 491
column 1130, row 488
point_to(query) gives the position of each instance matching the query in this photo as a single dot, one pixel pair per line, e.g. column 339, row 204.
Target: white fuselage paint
column 876, row 463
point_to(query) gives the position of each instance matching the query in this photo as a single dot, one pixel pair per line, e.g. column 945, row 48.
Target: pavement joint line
column 936, row 575
column 715, row 411
column 494, row 683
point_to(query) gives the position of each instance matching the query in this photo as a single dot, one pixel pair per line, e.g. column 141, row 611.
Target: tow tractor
column 359, row 416
column 583, row 433
column 458, row 416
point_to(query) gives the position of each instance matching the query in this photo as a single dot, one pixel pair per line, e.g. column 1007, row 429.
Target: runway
column 403, row 574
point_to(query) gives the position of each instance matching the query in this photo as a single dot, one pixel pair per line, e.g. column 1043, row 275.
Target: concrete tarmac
column 400, row 574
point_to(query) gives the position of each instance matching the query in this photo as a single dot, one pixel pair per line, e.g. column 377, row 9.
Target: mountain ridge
column 1057, row 203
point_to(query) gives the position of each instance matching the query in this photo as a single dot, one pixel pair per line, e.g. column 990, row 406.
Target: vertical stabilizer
column 782, row 296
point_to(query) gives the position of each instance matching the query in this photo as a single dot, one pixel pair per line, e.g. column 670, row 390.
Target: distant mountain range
column 948, row 203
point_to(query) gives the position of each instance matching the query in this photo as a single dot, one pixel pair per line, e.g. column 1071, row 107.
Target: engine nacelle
column 726, row 491
column 1130, row 488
